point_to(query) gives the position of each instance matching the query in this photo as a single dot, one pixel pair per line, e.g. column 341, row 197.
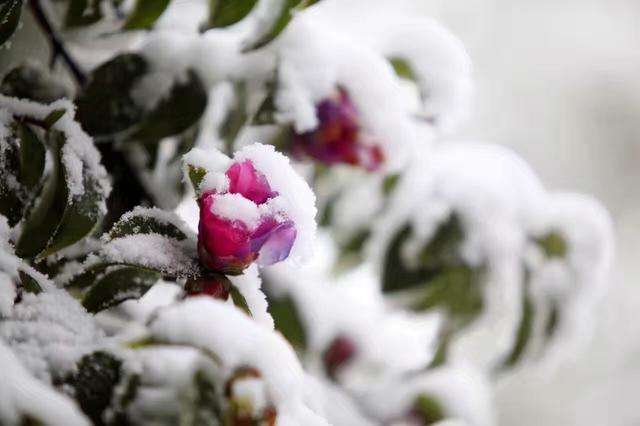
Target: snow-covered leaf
column 149, row 221
column 32, row 156
column 30, row 81
column 95, row 382
column 117, row 284
column 145, row 14
column 9, row 19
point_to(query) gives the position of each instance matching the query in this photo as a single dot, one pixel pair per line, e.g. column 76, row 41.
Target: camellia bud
column 247, row 396
column 338, row 354
column 213, row 285
column 338, row 137
column 235, row 230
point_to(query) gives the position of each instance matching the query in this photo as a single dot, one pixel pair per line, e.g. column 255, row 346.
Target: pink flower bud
column 340, row 352
column 338, row 137
column 230, row 244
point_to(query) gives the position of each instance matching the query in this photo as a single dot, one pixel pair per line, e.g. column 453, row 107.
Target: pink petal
column 273, row 240
column 245, row 180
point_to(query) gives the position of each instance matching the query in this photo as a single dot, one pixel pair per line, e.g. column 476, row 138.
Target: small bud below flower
column 340, row 352
column 213, row 285
column 338, row 139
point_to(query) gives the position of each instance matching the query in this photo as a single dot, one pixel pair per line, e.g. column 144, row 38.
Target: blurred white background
column 557, row 80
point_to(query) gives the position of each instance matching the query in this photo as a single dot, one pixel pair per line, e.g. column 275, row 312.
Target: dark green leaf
column 81, row 215
column 239, row 300
column 145, row 14
column 53, row 117
column 32, row 82
column 524, row 329
column 458, row 291
column 12, row 197
column 203, row 407
column 83, row 12
column 32, row 156
column 139, row 223
column 28, row 283
column 553, row 320
column 287, row 321
column 227, row 12
column 95, row 383
column 284, row 16
column 119, row 283
column 9, row 19
column 105, row 105
column 89, row 275
column 175, row 113
column 46, row 214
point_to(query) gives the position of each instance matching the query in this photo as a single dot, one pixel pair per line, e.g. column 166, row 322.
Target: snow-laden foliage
column 159, row 260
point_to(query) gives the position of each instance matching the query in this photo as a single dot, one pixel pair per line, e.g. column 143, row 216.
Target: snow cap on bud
column 338, row 139
column 253, row 208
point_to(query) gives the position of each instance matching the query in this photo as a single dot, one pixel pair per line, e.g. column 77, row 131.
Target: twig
column 57, row 46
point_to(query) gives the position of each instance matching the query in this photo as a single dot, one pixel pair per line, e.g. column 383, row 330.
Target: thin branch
column 57, row 46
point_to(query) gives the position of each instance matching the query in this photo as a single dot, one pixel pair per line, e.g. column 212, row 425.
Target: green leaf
column 428, row 409
column 287, row 321
column 119, row 283
column 32, row 82
column 203, row 405
column 553, row 245
column 32, row 156
column 239, row 300
column 57, row 220
column 9, row 19
column 389, row 183
column 139, row 222
column 145, row 14
column 553, row 320
column 196, row 175
column 228, row 12
column 46, row 214
column 53, row 117
column 83, row 12
column 440, row 253
column 175, row 113
column 403, row 68
column 525, row 329
column 28, row 283
column 458, row 291
column 81, row 215
column 284, row 16
column 94, row 383
column 105, row 105
column 89, row 275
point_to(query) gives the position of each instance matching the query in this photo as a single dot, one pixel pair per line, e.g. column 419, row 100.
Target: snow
column 153, row 251
column 237, row 341
column 248, row 284
column 21, row 394
column 236, row 207
column 49, row 332
column 79, row 155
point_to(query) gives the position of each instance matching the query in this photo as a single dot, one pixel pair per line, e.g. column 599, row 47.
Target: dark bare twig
column 58, row 48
